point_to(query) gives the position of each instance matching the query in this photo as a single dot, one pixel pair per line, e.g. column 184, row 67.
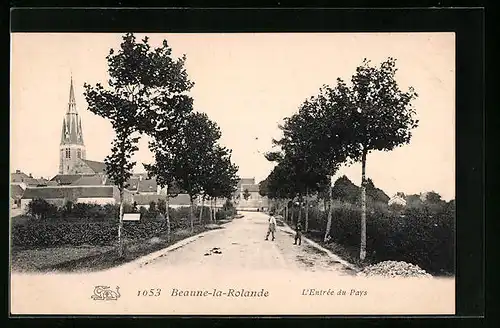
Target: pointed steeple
column 72, row 101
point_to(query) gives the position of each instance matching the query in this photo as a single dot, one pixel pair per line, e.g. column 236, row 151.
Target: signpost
column 131, row 217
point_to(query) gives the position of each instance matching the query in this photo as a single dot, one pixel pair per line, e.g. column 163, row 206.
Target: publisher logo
column 104, row 293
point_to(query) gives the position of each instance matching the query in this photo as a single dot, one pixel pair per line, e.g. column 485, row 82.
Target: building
column 254, row 201
column 59, row 195
column 397, row 199
column 72, row 147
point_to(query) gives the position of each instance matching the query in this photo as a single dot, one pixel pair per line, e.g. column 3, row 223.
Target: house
column 59, row 195
column 16, row 193
column 397, row 199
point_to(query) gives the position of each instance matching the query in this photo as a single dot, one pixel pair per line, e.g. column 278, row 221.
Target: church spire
column 72, row 102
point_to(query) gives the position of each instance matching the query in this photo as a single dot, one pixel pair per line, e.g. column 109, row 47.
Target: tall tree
column 199, row 139
column 377, row 116
column 142, row 84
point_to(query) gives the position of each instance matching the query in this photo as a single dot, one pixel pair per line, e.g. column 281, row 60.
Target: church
column 81, row 180
column 85, row 181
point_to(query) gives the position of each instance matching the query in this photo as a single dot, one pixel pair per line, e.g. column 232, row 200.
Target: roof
column 97, row 167
column 18, row 177
column 246, row 181
column 69, row 192
column 16, row 191
column 65, row 179
column 250, row 187
column 147, row 186
column 88, row 180
column 71, row 132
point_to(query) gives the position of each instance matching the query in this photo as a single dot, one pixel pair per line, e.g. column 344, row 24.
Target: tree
column 246, row 194
column 221, row 176
column 377, row 115
column 145, row 86
column 263, row 187
column 199, row 138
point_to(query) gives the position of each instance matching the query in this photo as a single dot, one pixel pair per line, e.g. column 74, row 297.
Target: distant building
column 397, row 199
column 59, row 195
column 254, row 201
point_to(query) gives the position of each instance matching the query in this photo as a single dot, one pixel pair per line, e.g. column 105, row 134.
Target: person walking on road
column 272, row 226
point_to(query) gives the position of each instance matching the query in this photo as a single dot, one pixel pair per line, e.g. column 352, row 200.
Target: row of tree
column 340, row 125
column 147, row 95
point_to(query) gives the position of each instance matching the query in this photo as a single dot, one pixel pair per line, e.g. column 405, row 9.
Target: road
column 241, row 245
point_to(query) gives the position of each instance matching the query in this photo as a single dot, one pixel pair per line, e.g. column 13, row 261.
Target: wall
column 72, row 161
column 96, row 200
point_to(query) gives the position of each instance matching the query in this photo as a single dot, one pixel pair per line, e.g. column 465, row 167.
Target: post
column 329, row 216
column 191, row 214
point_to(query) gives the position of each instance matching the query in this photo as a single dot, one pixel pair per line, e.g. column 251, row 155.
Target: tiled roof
column 97, row 167
column 70, row 192
column 250, row 187
column 66, row 179
column 16, row 191
column 88, row 180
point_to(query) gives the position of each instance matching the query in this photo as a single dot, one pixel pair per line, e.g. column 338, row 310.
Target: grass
column 96, row 258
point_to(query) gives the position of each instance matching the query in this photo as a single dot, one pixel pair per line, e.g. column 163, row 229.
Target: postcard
column 232, row 174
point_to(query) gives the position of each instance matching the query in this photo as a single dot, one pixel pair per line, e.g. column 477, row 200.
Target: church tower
column 71, row 147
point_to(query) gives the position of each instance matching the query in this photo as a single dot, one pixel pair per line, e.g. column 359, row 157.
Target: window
column 79, row 153
column 68, row 153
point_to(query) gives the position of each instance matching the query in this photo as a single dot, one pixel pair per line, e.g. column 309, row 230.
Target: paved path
column 242, row 246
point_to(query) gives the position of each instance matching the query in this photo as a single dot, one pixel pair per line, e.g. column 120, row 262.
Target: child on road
column 298, row 233
column 272, row 226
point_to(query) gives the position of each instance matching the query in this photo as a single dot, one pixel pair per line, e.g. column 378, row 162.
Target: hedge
column 420, row 235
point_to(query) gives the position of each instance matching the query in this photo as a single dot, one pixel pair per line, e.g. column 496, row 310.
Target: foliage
column 418, row 236
column 246, row 194
column 42, row 209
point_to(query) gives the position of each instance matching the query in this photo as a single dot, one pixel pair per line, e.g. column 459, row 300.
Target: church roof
column 97, row 167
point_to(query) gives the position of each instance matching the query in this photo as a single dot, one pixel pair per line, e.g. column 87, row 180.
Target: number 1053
column 149, row 292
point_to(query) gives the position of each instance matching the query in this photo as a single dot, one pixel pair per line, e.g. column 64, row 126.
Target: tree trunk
column 191, row 215
column 215, row 209
column 329, row 217
column 307, row 211
column 120, row 226
column 300, row 210
column 286, row 211
column 201, row 209
column 211, row 209
column 324, row 205
column 167, row 217
column 362, row 252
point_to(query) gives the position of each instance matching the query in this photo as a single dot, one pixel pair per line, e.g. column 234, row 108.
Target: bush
column 422, row 236
column 42, row 209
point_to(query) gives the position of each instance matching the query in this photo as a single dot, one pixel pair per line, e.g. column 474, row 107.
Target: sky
column 247, row 83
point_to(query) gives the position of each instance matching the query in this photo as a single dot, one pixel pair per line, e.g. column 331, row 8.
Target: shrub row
column 424, row 236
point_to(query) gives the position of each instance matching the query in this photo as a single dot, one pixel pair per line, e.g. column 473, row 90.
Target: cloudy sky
column 247, row 83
